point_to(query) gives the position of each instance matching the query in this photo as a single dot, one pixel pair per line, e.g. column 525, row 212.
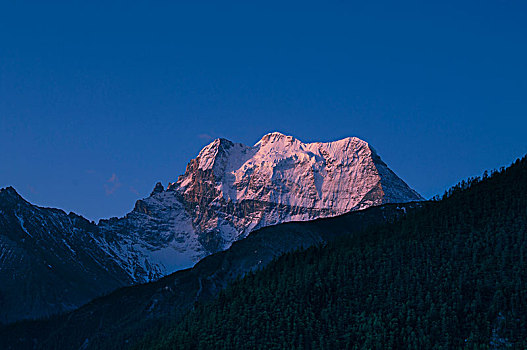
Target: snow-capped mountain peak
column 283, row 170
column 230, row 189
column 227, row 191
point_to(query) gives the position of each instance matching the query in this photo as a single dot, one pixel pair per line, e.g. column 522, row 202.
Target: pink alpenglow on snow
column 230, row 189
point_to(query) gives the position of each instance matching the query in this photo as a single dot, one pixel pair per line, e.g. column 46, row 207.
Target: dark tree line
column 450, row 275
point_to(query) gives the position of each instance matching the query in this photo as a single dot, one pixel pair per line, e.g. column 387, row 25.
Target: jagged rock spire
column 157, row 189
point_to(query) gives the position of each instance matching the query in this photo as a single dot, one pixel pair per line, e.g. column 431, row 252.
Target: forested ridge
column 450, row 275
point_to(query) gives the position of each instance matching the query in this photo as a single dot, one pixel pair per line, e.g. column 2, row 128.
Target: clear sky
column 99, row 100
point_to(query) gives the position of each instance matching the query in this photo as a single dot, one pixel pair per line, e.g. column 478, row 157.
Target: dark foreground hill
column 122, row 317
column 451, row 275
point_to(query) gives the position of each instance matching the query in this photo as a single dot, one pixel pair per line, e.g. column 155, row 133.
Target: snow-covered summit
column 283, row 170
column 230, row 189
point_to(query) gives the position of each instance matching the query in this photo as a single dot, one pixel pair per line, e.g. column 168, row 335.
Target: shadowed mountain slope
column 129, row 311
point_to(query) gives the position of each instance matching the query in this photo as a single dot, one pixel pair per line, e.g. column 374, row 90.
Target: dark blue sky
column 99, row 101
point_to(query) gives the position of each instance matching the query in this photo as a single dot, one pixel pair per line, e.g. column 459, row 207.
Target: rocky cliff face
column 52, row 261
